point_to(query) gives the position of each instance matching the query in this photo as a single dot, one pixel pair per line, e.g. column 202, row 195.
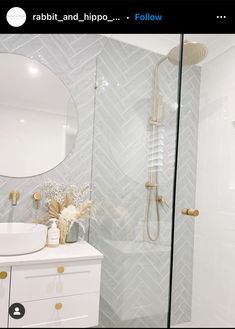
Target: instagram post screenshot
column 117, row 164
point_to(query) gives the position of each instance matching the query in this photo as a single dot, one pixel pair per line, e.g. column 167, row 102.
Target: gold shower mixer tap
column 162, row 200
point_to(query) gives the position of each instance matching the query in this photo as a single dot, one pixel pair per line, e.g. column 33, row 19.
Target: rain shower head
column 194, row 52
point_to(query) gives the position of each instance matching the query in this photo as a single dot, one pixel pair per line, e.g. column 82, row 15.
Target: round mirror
column 38, row 117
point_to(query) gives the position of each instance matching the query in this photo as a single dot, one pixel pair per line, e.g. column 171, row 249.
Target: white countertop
column 67, row 252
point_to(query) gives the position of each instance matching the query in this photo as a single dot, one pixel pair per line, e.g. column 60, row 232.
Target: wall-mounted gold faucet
column 14, row 197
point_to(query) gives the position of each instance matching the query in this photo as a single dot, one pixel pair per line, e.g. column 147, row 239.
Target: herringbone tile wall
column 185, row 196
column 135, row 272
column 135, row 276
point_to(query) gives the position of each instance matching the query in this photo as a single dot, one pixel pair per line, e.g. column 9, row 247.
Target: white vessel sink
column 21, row 238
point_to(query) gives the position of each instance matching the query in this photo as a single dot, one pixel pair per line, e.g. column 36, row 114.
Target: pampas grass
column 69, row 205
column 63, row 227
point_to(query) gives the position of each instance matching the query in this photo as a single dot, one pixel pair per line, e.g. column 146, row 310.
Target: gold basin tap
column 14, row 197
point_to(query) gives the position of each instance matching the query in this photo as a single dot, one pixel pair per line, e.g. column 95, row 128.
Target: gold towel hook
column 190, row 212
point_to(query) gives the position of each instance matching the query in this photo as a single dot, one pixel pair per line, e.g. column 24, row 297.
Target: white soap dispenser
column 53, row 235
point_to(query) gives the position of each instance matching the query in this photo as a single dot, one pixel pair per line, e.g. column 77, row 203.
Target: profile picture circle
column 16, row 16
column 17, row 311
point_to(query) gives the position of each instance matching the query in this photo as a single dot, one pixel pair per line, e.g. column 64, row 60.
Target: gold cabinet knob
column 3, row 275
column 190, row 212
column 60, row 269
column 58, row 306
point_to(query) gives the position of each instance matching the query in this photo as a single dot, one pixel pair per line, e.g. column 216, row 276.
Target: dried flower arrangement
column 69, row 205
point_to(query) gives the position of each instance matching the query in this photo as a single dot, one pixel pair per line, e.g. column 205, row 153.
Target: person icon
column 17, row 311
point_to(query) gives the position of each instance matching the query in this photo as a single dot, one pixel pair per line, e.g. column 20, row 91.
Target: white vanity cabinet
column 57, row 287
column 4, row 295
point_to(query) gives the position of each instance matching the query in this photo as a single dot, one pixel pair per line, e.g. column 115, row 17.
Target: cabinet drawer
column 34, row 282
column 76, row 311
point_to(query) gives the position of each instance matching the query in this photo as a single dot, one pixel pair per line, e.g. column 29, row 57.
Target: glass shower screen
column 132, row 180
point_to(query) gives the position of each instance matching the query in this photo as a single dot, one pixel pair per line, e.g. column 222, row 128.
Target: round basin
column 21, row 238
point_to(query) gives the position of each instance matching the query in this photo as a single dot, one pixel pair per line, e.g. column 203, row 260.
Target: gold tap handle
column 37, row 197
column 162, row 200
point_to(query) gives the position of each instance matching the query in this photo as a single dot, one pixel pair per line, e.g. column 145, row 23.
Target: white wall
column 214, row 251
column 163, row 43
column 158, row 43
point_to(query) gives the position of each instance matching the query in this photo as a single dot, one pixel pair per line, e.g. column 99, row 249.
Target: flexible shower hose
column 153, row 179
column 148, row 214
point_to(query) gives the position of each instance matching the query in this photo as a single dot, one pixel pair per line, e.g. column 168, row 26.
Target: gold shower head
column 193, row 53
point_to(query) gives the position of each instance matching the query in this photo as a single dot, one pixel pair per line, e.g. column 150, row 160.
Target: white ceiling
column 162, row 43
